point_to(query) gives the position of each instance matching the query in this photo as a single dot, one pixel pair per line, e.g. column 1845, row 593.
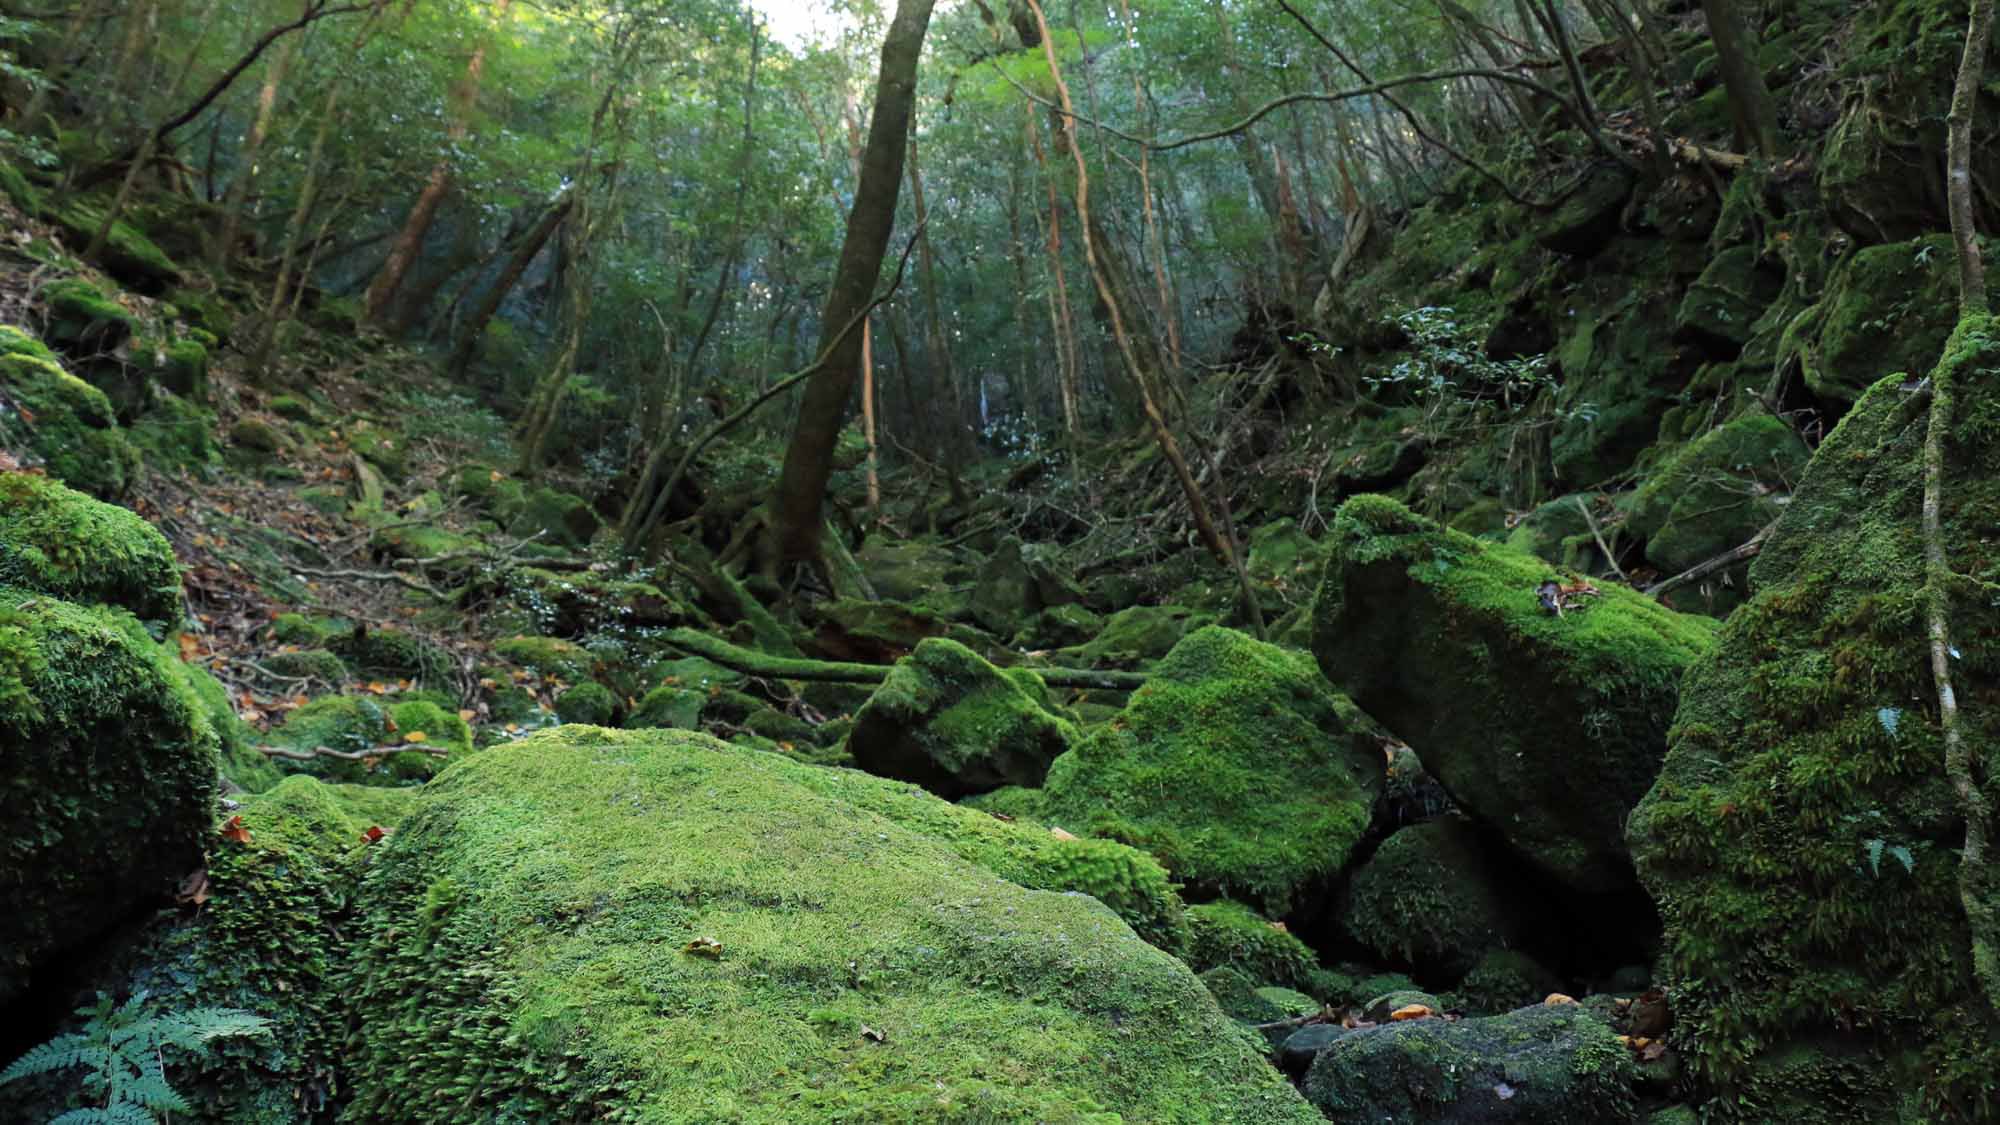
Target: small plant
column 124, row 1050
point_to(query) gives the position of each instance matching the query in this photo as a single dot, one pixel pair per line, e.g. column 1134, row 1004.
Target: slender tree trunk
column 1977, row 882
column 809, row 456
column 525, row 253
column 868, row 419
column 1750, row 102
column 1059, row 307
column 463, row 100
column 247, row 156
column 951, row 444
column 131, row 180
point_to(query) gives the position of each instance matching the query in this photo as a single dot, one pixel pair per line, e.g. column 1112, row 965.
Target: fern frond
column 197, row 1027
column 57, row 1054
column 150, row 1089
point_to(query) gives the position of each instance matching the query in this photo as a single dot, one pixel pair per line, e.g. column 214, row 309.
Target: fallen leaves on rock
column 194, row 889
column 234, row 831
column 1412, row 1012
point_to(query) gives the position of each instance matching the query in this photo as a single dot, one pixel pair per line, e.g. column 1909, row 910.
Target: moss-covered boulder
column 1226, row 934
column 323, row 668
column 126, row 254
column 179, row 365
column 870, row 632
column 83, row 321
column 1584, row 221
column 1136, row 635
column 1717, row 492
column 590, row 703
column 1431, row 897
column 270, row 935
column 551, row 657
column 1887, row 310
column 400, row 742
column 1723, row 305
column 661, row 927
column 951, row 722
column 668, row 707
column 1546, row 727
column 1501, row 981
column 556, row 518
column 396, row 654
column 111, row 777
column 1236, row 765
column 1546, row 1065
column 1802, row 840
column 57, row 541
column 55, row 420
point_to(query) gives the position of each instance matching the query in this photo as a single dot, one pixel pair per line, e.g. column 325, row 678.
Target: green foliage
column 64, row 425
column 124, row 1048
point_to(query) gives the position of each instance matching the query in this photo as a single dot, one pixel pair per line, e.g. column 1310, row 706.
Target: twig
column 1601, row 544
column 1726, row 559
column 352, row 755
column 402, row 580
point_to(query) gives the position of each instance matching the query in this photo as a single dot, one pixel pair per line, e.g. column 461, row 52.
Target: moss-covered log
column 751, row 662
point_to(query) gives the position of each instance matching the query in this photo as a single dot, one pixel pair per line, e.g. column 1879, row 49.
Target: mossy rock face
column 951, row 722
column 908, row 571
column 175, row 434
column 64, row 425
column 1058, row 626
column 661, row 927
column 1724, row 303
column 1584, row 222
column 180, row 366
column 1545, row 1065
column 1620, row 367
column 1004, row 595
column 271, row 938
column 1225, row 934
column 381, row 447
column 559, row 518
column 84, row 321
column 127, row 255
column 589, row 703
column 259, row 436
column 1236, row 765
column 1802, row 840
column 1557, row 532
column 1431, row 897
column 405, row 736
column 112, row 777
column 57, row 541
column 1136, row 635
column 1546, row 728
column 1502, row 981
column 1717, row 492
column 548, row 656
column 1887, row 310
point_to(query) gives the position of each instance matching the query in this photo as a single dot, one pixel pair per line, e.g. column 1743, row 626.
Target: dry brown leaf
column 1558, row 998
column 703, row 947
column 235, row 832
column 1060, row 834
column 872, row 1034
column 1412, row 1012
column 194, row 888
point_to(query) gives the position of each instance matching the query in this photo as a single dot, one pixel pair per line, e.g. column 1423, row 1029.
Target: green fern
column 123, row 1048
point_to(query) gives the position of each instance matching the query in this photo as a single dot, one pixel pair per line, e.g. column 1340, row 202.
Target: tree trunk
column 1750, row 103
column 809, row 456
column 524, row 255
column 404, row 253
column 253, row 143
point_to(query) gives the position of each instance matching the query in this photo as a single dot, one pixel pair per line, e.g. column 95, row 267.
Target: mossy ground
column 549, row 906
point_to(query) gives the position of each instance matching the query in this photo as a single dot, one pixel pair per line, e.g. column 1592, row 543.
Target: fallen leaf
column 1558, row 998
column 703, row 947
column 872, row 1034
column 1060, row 834
column 1279, row 927
column 235, row 832
column 1000, row 816
column 190, row 648
column 416, row 736
column 373, row 835
column 1653, row 1052
column 467, row 714
column 194, row 888
column 376, row 687
column 1412, row 1012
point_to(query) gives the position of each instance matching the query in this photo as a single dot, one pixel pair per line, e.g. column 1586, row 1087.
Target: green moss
column 1431, row 897
column 1225, row 934
column 111, row 770
column 1724, row 303
column 317, row 663
column 60, row 542
column 356, row 724
column 1887, row 309
column 1502, row 981
column 1431, row 630
column 14, row 184
column 1717, row 492
column 13, row 341
column 1801, row 839
column 1136, row 635
column 241, row 764
column 83, row 319
column 65, row 425
column 175, row 434
column 955, row 724
column 293, row 408
column 381, row 447
column 1236, row 765
column 1555, row 1063
column 394, row 654
column 181, row 366
column 590, row 703
column 667, row 707
column 546, row 656
column 557, row 518
column 127, row 253
column 542, row 903
column 300, row 629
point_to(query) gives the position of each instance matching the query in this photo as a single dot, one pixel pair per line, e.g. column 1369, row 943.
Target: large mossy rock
column 951, row 722
column 57, row 541
column 1432, row 897
column 270, row 936
column 1802, row 840
column 60, row 423
column 1237, row 765
column 1717, row 492
column 1545, row 1065
column 1887, row 310
column 1546, row 728
column 659, row 927
column 111, row 777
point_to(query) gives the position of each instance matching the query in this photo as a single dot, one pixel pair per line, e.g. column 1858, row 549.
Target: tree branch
column 352, row 755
